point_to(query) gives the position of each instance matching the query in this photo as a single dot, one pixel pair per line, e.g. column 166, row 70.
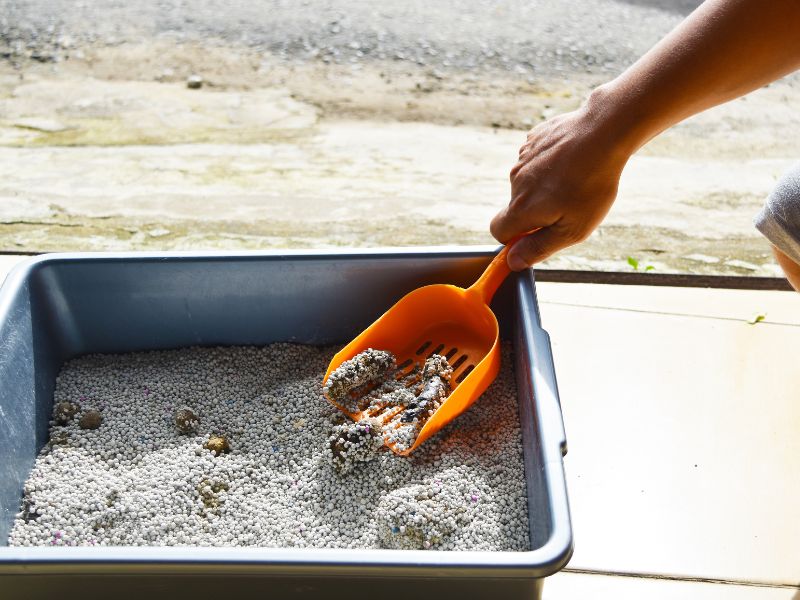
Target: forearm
column 790, row 268
column 725, row 49
column 568, row 171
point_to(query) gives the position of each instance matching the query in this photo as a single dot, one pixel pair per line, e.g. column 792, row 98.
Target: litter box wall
column 59, row 306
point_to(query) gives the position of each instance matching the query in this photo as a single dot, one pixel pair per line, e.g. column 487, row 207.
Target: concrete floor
column 682, row 422
column 88, row 163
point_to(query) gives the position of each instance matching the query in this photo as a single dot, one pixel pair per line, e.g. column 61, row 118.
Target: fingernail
column 516, row 262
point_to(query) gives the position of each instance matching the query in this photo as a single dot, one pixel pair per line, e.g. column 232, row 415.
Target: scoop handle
column 494, row 274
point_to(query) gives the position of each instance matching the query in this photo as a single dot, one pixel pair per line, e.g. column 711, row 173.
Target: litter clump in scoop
column 435, row 387
column 370, row 366
column 398, row 405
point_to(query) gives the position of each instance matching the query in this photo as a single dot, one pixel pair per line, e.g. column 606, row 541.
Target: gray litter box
column 59, row 306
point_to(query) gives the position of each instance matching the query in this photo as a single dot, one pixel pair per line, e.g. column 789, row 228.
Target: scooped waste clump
column 370, row 366
column 433, row 389
column 399, row 403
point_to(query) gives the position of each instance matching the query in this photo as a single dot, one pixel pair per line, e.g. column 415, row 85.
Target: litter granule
column 231, row 447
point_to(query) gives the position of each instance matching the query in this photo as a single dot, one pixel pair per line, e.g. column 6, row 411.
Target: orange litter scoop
column 442, row 319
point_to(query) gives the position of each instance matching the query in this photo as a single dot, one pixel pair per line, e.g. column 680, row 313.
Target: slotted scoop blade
column 440, row 319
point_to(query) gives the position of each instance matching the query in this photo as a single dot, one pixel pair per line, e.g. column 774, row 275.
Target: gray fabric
column 779, row 220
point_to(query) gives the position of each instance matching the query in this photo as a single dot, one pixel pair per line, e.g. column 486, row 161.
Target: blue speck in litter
column 395, row 530
column 230, row 402
column 275, row 448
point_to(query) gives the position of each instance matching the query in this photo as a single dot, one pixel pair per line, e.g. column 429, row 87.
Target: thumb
column 536, row 247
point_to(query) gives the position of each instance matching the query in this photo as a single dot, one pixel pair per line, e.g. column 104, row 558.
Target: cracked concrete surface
column 304, row 157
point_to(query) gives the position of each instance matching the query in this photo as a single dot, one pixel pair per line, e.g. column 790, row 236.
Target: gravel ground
column 539, row 37
column 136, row 479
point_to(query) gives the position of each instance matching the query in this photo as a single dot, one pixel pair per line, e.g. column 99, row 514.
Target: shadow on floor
column 683, row 7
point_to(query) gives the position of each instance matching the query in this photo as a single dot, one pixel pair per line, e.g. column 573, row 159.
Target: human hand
column 568, row 171
column 564, row 184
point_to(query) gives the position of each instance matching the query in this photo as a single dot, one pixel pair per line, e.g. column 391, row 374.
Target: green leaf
column 633, row 262
column 757, row 318
column 649, row 268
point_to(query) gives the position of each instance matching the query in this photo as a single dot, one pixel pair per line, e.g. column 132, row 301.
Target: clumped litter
column 257, row 467
column 395, row 402
column 218, row 444
column 64, row 411
column 352, row 443
column 91, row 419
column 186, row 421
column 368, row 367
